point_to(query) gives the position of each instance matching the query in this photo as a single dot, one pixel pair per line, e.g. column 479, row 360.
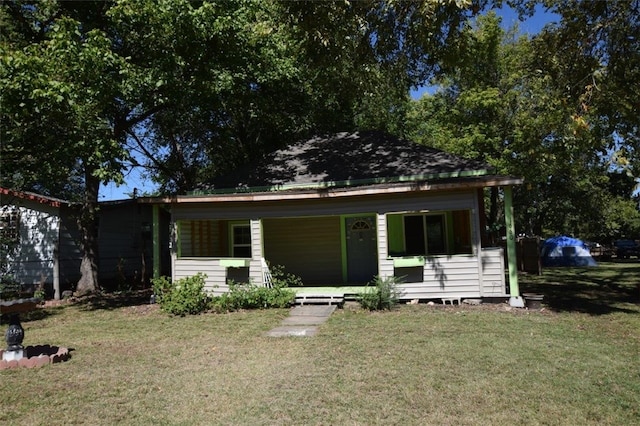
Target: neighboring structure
column 40, row 236
column 45, row 244
column 339, row 210
column 125, row 243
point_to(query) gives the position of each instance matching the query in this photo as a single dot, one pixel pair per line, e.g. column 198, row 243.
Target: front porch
column 430, row 243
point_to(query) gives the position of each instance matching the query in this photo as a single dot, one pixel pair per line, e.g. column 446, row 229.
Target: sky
column 134, row 179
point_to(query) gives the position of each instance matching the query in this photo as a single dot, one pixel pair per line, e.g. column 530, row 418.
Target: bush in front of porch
column 381, row 294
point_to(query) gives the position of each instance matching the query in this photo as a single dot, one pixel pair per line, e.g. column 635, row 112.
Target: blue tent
column 566, row 251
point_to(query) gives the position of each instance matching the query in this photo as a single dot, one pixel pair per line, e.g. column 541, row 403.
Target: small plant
column 161, row 286
column 40, row 293
column 282, row 279
column 380, row 294
column 185, row 296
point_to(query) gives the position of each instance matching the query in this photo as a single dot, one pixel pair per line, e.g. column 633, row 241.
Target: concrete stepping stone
column 303, row 321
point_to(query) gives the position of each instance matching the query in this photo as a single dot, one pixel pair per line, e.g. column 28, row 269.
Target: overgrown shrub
column 380, row 294
column 184, row 297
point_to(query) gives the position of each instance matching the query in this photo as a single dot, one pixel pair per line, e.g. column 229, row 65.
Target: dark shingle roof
column 346, row 158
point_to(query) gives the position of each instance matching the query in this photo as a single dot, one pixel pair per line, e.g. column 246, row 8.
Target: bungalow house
column 338, row 211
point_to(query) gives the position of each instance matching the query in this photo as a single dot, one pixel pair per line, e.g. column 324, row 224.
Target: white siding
column 217, row 273
column 493, row 273
column 385, row 264
column 446, row 276
column 33, row 261
column 255, row 267
column 216, row 281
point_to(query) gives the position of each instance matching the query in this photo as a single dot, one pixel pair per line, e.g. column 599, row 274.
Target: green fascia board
column 343, row 183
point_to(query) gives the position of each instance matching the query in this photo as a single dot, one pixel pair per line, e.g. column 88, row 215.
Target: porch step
column 319, row 299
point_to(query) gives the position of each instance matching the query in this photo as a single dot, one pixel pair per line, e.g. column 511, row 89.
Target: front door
column 362, row 263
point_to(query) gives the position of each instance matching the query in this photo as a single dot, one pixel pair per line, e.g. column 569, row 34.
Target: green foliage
column 514, row 103
column 41, row 294
column 10, row 288
column 251, row 296
column 161, row 286
column 184, row 297
column 383, row 295
column 283, row 279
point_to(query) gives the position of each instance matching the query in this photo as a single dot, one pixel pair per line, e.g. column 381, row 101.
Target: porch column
column 256, row 267
column 385, row 265
column 515, row 300
column 156, row 240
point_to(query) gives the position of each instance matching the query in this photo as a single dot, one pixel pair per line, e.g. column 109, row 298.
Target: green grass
column 575, row 362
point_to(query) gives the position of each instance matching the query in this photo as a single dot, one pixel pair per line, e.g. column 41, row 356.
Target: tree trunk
column 88, row 224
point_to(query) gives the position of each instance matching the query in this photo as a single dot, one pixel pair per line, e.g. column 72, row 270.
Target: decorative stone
column 14, row 334
column 37, row 356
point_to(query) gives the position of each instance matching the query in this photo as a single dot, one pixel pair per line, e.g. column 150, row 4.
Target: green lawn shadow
column 600, row 290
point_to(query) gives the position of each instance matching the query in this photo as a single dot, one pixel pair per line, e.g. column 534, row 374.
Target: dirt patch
column 131, row 299
column 141, row 309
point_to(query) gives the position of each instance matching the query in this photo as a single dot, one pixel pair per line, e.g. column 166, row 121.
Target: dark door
column 362, row 263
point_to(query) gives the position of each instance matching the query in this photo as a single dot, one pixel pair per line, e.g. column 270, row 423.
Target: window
column 198, row 238
column 241, row 240
column 214, row 238
column 425, row 234
column 419, row 234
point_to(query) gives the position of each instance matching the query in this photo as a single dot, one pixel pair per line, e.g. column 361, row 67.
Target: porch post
column 515, row 300
column 156, row 240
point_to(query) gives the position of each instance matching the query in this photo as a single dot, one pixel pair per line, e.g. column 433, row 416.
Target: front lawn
column 575, row 362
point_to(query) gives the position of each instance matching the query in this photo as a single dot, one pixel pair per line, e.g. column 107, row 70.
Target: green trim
column 343, row 247
column 395, row 233
column 343, row 183
column 156, row 240
column 514, row 289
column 330, row 290
column 408, row 261
column 234, row 263
column 230, row 225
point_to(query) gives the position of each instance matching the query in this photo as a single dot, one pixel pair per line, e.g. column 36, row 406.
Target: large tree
column 190, row 88
column 305, row 67
column 502, row 105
